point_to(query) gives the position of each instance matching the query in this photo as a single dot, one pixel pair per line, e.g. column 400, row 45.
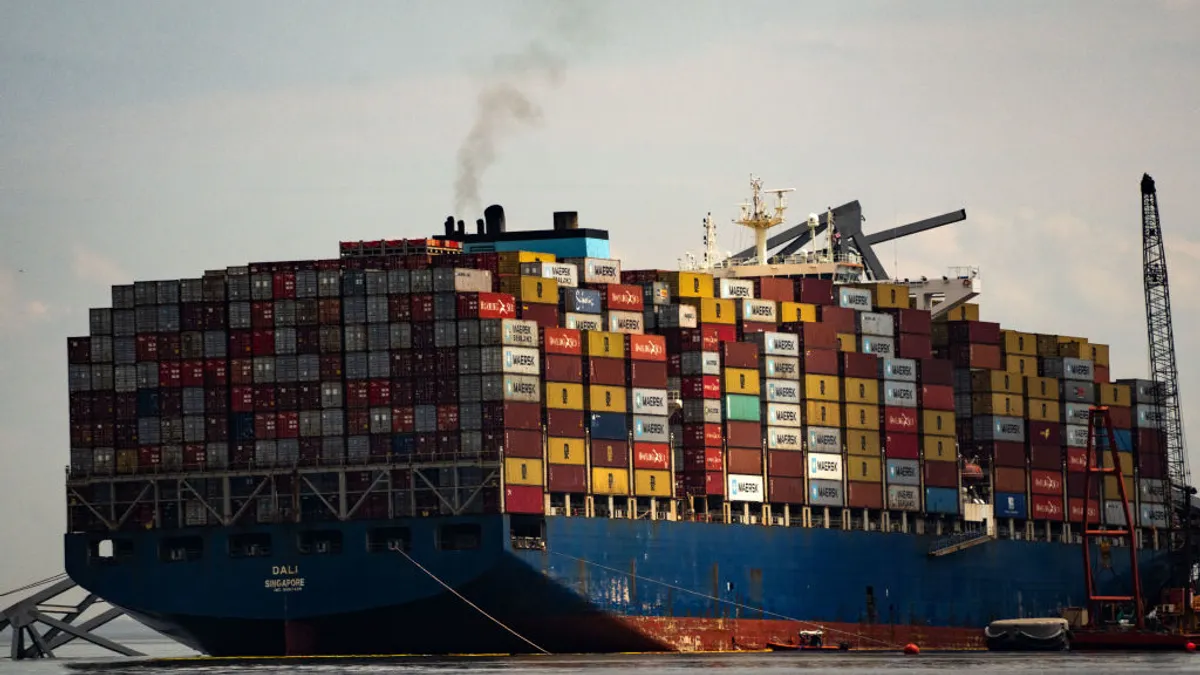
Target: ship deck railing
column 958, row 541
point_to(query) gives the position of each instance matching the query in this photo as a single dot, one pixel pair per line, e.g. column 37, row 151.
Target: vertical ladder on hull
column 1099, row 422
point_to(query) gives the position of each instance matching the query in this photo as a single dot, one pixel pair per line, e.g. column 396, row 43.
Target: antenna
column 710, row 241
column 756, row 217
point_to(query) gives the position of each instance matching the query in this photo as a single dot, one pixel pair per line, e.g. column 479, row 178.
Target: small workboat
column 809, row 641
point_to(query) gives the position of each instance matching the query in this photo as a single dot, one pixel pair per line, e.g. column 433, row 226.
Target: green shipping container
column 742, row 408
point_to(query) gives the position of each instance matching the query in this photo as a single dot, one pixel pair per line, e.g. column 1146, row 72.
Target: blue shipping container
column 609, row 426
column 1010, row 505
column 581, row 300
column 1124, row 439
column 243, row 426
column 403, row 444
column 147, row 403
column 941, row 500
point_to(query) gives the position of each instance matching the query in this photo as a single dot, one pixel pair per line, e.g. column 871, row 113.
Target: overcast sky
column 146, row 140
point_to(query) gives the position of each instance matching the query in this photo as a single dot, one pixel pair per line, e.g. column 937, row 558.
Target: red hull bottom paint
column 723, row 635
column 1130, row 641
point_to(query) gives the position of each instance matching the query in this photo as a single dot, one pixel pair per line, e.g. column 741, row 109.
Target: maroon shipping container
column 546, row 316
column 1075, row 510
column 899, row 445
column 610, row 454
column 287, row 425
column 739, row 355
column 358, row 422
column 513, row 415
column 702, row 435
column 262, row 314
column 648, row 374
column 705, row 338
column 774, row 288
column 1044, row 482
column 707, row 386
column 447, row 417
column 1152, row 465
column 911, row 321
column 1045, row 433
column 170, row 346
column 752, row 327
column 241, row 371
column 861, row 495
column 838, row 319
column 241, row 398
column 216, row 373
column 1047, row 458
column 606, row 371
column 865, row 366
column 564, row 423
column 711, row 483
column 146, row 347
column 1076, row 482
column 820, row 362
column 191, row 373
column 652, row 456
column 974, row 332
column 516, row 442
column 903, row 420
column 936, row 371
column 563, row 368
column 264, row 426
column 331, row 367
column 379, row 392
column 911, row 346
column 744, row 461
column 1148, row 440
column 975, row 356
column 404, row 419
column 1006, row 453
column 785, row 463
column 937, row 397
column 1009, row 479
column 1044, row 507
column 743, row 435
column 944, row 474
column 815, row 291
column 703, row 459
column 785, row 490
column 1077, row 459
column 358, row 394
column 215, row 401
column 1120, row 418
column 566, row 478
column 523, row 499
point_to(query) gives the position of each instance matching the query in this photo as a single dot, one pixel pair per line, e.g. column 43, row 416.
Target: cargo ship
column 504, row 442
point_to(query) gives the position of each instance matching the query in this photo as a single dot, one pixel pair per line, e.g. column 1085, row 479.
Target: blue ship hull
column 597, row 585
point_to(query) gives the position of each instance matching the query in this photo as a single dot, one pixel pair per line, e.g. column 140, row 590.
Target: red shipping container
column 1077, row 482
column 703, row 459
column 784, row 463
column 379, row 393
column 606, row 371
column 1147, row 440
column 1075, row 511
column 610, row 454
column 565, row 341
column 545, row 316
column 1046, row 482
column 707, row 386
column 937, row 397
column 264, row 426
column 1100, row 374
column 838, row 319
column 170, row 347
column 1044, row 433
column 149, row 457
column 1010, row 479
column 815, row 291
column 703, row 435
column 912, row 321
column 743, row 435
column 520, row 442
column 975, row 356
column 447, row 417
column 785, row 490
column 651, row 456
column 191, row 373
column 861, row 495
column 283, row 285
column 514, row 415
column 945, row 474
column 523, row 499
column 308, row 396
column 262, row 314
column 974, row 332
column 329, row 311
column 745, row 461
column 194, row 456
column 624, row 297
column 866, row 366
column 563, row 368
column 1047, row 458
column 911, row 346
column 646, row 347
column 169, row 374
column 1044, row 507
column 648, row 374
column 752, row 327
column 358, row 422
column 403, row 419
column 774, row 288
column 818, row 335
column 241, row 371
column 899, row 445
column 263, row 342
column 358, row 394
column 937, row 371
column 903, row 420
column 421, row 305
column 820, row 362
column 566, row 478
column 1077, row 459
column 564, row 423
column 714, row 483
column 704, row 338
column 125, row 405
column 1120, row 418
column 287, row 425
column 739, row 355
column 146, row 347
column 264, row 397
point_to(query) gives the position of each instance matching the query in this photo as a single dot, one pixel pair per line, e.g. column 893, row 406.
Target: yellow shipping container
column 937, row 423
column 1020, row 365
column 718, row 310
column 858, row 416
column 1004, row 405
column 689, row 284
column 790, row 312
column 1047, row 345
column 521, row 471
column 1041, row 387
column 1043, row 410
column 1099, row 355
column 1074, row 347
column 531, row 289
column 862, row 443
column 127, row 461
column 1112, row 491
column 889, row 296
column 995, row 381
column 606, row 399
column 859, row 390
column 564, row 395
column 741, row 381
column 847, row 342
column 566, row 450
column 519, row 257
column 1126, row 461
column 652, row 483
column 826, row 414
column 1117, row 395
column 602, row 343
column 864, row 469
column 1018, row 343
column 938, row 448
column 968, row 311
column 824, row 388
column 607, row 481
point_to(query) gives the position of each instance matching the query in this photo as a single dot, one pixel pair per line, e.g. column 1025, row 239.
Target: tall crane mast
column 1166, row 380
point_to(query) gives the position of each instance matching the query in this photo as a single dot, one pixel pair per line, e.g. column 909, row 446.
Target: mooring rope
column 433, row 576
column 729, row 602
column 43, row 582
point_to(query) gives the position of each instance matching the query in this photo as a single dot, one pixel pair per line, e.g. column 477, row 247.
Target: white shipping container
column 824, row 439
column 583, row 321
column 694, row 364
column 566, row 274
column 874, row 323
column 854, row 298
column 677, row 316
column 783, row 415
column 782, row 391
column 784, row 438
column 776, row 344
column 824, row 466
column 880, row 346
column 905, row 370
column 649, row 402
column 1152, row 491
column 520, row 388
column 826, row 493
column 1076, row 436
column 1152, row 515
column 1148, row 416
column 900, row 394
column 518, row 360
column 781, row 367
column 519, row 332
column 760, row 311
column 999, row 428
column 632, row 323
column 1114, row 512
column 597, row 270
column 735, row 288
column 651, row 429
column 1076, row 413
column 702, row 411
column 904, row 498
column 1069, row 369
column 744, row 488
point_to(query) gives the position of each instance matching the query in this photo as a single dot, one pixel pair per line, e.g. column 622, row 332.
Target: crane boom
column 1166, row 376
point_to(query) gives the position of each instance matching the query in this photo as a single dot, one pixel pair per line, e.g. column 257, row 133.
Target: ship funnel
column 449, row 226
column 479, row 226
column 566, row 220
column 494, row 215
column 462, row 228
